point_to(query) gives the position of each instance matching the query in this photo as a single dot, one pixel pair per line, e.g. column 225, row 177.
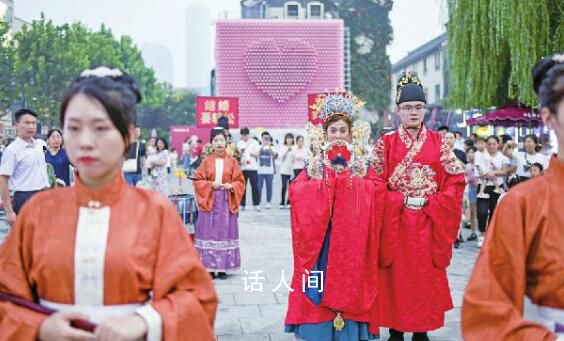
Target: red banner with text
column 210, row 109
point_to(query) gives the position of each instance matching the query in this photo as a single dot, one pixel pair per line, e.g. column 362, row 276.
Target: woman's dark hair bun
column 132, row 84
column 540, row 71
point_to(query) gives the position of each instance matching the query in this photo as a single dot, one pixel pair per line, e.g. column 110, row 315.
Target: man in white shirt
column 249, row 151
column 23, row 168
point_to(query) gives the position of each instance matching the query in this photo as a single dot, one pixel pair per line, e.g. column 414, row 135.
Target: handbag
column 130, row 165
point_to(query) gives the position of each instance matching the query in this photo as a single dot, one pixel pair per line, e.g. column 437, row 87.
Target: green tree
column 7, row 89
column 371, row 33
column 49, row 57
column 177, row 108
column 42, row 59
column 493, row 44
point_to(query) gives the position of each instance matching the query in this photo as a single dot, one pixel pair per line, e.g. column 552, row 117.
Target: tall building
column 430, row 61
column 198, row 47
column 159, row 58
column 298, row 10
column 7, row 11
column 282, row 9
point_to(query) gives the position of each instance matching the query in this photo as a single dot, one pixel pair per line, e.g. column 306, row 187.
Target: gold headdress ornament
column 329, row 104
column 405, row 79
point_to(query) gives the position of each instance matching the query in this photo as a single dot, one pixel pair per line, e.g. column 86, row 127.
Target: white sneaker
column 257, row 208
column 268, row 206
column 281, row 207
column 480, row 241
column 288, row 206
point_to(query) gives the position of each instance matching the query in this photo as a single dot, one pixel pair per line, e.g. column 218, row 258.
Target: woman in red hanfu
column 425, row 183
column 335, row 231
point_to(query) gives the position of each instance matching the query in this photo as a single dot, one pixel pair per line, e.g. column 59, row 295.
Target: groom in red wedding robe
column 421, row 218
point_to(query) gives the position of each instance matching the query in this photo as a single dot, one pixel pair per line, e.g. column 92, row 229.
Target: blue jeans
column 268, row 178
column 132, row 178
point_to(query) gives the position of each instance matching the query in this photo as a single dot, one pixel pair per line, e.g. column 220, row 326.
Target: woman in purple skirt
column 219, row 185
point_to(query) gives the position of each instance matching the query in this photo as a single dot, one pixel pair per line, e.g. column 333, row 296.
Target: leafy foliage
column 42, row 59
column 7, row 89
column 370, row 33
column 493, row 44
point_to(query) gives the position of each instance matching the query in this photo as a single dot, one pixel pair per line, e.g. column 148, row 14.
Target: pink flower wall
column 271, row 65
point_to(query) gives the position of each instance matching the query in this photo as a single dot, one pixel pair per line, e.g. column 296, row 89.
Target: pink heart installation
column 282, row 68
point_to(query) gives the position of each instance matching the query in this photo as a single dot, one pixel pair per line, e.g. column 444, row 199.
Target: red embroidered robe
column 352, row 273
column 416, row 245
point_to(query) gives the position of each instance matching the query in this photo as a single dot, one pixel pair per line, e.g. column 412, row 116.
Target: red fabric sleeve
column 445, row 210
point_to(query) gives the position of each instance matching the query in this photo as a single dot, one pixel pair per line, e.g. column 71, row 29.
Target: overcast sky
column 164, row 21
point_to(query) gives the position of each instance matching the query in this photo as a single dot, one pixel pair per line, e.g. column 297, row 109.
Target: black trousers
column 285, row 181
column 297, row 172
column 251, row 177
column 20, row 198
column 486, row 208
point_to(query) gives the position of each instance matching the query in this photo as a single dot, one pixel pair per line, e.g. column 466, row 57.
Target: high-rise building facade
column 7, row 11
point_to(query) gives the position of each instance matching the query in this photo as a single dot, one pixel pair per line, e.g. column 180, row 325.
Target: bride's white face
column 338, row 130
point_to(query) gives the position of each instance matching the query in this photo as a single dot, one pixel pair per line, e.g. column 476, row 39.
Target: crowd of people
column 374, row 232
column 494, row 164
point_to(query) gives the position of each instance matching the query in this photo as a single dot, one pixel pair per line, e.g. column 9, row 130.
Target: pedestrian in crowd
column 336, row 202
column 537, row 169
column 442, row 130
column 425, row 185
column 158, row 167
column 522, row 255
column 468, row 143
column 121, row 258
column 492, row 169
column 528, row 157
column 249, row 150
column 459, row 141
column 134, row 160
column 168, row 161
column 472, row 186
column 23, row 169
column 509, row 148
column 481, row 147
column 503, row 139
column 474, row 137
column 56, row 156
column 218, row 185
column 301, row 153
column 196, row 153
column 286, row 154
column 266, row 168
column 450, row 140
column 186, row 157
column 173, row 159
column 545, row 144
column 480, row 153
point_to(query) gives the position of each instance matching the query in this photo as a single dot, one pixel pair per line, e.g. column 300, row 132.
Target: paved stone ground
column 266, row 247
